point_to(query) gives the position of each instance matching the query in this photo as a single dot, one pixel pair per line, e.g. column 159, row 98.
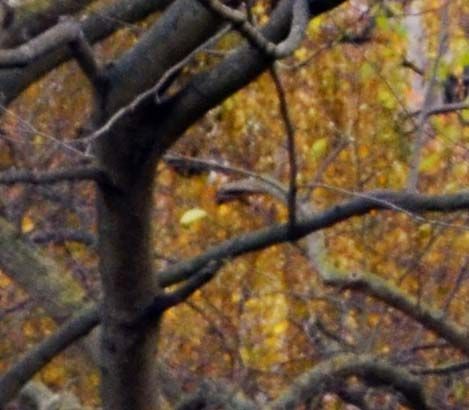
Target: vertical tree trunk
column 126, row 271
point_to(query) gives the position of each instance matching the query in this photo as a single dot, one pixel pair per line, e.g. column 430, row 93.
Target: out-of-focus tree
column 234, row 204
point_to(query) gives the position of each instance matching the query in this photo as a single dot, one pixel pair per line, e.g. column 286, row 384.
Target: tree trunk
column 126, row 271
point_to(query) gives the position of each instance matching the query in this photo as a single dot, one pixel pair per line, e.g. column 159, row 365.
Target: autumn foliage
column 386, row 286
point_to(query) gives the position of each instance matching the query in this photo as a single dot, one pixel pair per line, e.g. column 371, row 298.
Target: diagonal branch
column 279, row 233
column 206, row 165
column 60, row 34
column 237, row 70
column 432, row 319
column 170, row 299
column 442, row 370
column 443, row 109
column 82, row 323
column 14, row 379
column 67, row 32
column 373, row 285
column 60, row 236
column 197, row 271
column 191, row 285
column 150, row 94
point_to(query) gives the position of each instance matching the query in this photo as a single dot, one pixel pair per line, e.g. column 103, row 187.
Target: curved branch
column 14, row 379
column 63, row 33
column 214, row 395
column 300, row 19
column 370, row 369
column 237, row 70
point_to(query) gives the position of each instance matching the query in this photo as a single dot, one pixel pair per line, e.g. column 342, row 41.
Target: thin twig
column 442, row 370
column 457, row 284
column 290, row 132
column 443, row 109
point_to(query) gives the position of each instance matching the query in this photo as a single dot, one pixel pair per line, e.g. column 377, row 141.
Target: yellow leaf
column 280, row 327
column 27, row 224
column 425, row 230
column 314, row 26
column 191, row 216
column 319, row 148
column 4, row 281
column 301, row 53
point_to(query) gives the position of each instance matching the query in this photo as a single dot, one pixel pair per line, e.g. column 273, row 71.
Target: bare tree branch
column 215, row 395
column 191, row 285
column 322, row 378
column 59, row 294
column 432, row 319
column 152, row 93
column 66, row 32
column 13, row 380
column 261, row 239
column 237, row 70
column 444, row 109
column 96, row 27
column 241, row 22
column 290, row 132
column 62, row 236
column 165, row 301
column 184, row 162
column 442, row 370
column 29, row 23
column 53, row 177
column 63, row 33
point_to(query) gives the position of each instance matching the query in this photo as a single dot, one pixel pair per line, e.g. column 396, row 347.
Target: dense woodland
column 239, row 205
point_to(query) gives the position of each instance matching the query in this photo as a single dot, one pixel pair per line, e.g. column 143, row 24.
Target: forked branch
column 240, row 21
column 67, row 32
